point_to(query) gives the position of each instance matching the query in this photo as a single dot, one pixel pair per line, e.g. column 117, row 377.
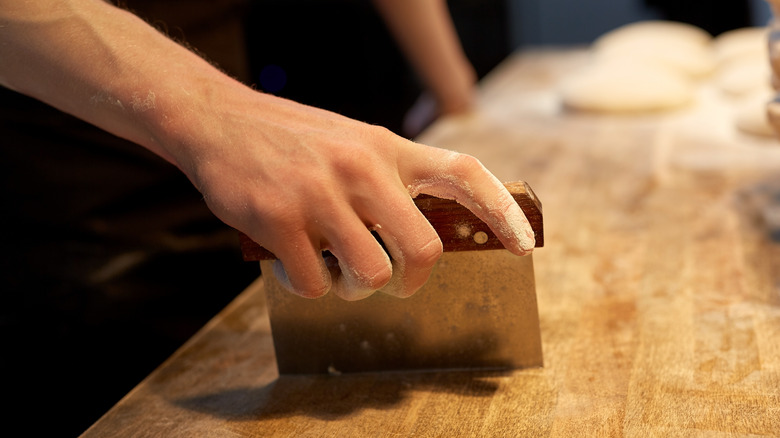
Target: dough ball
column 656, row 29
column 741, row 42
column 752, row 119
column 745, row 75
column 619, row 86
column 682, row 47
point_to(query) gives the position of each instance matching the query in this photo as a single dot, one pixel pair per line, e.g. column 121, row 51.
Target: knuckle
column 467, row 165
column 303, row 283
column 377, row 275
column 427, row 255
column 382, row 133
column 283, row 223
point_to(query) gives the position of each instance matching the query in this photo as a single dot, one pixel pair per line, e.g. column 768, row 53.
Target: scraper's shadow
column 473, row 360
column 331, row 397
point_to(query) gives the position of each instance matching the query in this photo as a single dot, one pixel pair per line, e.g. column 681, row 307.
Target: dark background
column 111, row 261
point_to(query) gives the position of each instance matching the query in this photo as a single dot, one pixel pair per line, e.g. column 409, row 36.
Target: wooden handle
column 458, row 228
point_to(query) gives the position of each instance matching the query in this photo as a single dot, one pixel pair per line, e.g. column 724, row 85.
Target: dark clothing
column 110, row 259
column 713, row 16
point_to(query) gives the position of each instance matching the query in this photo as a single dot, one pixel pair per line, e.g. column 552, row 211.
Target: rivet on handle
column 480, row 237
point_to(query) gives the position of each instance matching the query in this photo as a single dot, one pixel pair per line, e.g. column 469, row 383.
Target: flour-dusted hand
column 299, row 180
column 296, row 179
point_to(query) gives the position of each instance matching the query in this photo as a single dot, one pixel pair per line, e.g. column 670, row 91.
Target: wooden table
column 658, row 290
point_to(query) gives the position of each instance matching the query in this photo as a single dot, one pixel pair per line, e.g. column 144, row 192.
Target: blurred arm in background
column 424, row 30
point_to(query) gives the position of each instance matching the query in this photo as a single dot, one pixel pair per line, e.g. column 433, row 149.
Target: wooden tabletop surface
column 658, row 291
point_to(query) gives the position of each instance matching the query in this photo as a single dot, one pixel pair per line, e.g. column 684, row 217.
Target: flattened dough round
column 745, row 75
column 682, row 47
column 752, row 119
column 626, row 87
column 667, row 30
column 740, row 42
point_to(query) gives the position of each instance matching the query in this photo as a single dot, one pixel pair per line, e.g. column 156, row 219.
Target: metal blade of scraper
column 477, row 311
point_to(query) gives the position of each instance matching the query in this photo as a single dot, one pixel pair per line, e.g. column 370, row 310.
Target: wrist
column 181, row 117
column 456, row 92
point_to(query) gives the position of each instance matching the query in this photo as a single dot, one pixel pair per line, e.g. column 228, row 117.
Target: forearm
column 106, row 66
column 296, row 179
column 425, row 32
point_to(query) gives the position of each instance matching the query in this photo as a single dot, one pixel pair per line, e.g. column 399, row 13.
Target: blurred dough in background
column 642, row 66
column 682, row 47
column 751, row 118
column 622, row 86
column 745, row 75
column 741, row 42
column 664, row 65
column 640, row 31
column 743, row 62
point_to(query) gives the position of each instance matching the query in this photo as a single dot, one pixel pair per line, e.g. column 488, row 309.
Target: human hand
column 295, row 179
column 300, row 180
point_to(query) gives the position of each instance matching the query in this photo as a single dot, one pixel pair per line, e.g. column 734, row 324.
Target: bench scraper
column 477, row 311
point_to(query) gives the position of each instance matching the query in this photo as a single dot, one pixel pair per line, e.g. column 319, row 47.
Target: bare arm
column 296, row 179
column 424, row 31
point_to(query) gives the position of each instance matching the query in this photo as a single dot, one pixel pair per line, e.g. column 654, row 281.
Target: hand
column 299, row 180
column 296, row 179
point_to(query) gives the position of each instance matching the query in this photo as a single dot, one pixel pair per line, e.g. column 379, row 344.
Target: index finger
column 463, row 178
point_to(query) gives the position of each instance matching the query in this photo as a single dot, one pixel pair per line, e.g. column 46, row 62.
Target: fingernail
column 284, row 280
column 520, row 228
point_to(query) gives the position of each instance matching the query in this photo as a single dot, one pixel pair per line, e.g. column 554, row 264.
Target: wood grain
column 657, row 291
column 454, row 223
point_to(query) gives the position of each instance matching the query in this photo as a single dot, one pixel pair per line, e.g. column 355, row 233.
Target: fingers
column 463, row 178
column 357, row 267
column 413, row 245
column 383, row 203
column 362, row 267
column 301, row 270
